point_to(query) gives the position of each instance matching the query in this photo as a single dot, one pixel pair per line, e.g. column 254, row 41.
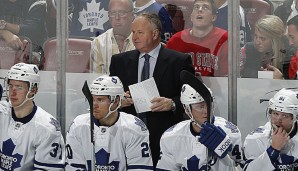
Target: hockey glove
column 214, row 138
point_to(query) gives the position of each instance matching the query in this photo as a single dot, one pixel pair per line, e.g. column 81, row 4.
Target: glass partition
column 63, row 74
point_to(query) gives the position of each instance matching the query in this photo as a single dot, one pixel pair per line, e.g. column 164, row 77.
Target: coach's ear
column 156, row 34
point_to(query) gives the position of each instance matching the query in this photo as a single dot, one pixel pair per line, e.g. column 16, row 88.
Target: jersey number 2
column 145, row 149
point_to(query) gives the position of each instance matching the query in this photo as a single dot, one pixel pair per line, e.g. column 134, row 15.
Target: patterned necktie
column 146, row 68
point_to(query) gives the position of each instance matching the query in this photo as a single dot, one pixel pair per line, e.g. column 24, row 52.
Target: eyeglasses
column 204, row 7
column 113, row 14
column 16, row 87
column 281, row 116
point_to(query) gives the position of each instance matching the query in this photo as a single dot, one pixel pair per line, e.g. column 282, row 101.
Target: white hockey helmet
column 286, row 101
column 107, row 85
column 190, row 95
column 24, row 72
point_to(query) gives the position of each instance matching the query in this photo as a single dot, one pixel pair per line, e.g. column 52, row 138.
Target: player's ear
column 33, row 91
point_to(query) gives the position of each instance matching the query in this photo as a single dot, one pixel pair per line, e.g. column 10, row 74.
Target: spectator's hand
column 127, row 100
column 13, row 40
column 160, row 104
column 276, row 72
column 279, row 138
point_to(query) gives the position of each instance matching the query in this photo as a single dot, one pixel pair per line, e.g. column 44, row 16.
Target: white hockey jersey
column 181, row 149
column 34, row 142
column 255, row 150
column 120, row 147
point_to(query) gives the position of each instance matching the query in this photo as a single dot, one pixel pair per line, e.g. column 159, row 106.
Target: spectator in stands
column 266, row 51
column 88, row 17
column 208, row 45
column 115, row 40
column 23, row 18
column 178, row 20
column 141, row 6
column 287, row 10
column 293, row 41
column 222, row 21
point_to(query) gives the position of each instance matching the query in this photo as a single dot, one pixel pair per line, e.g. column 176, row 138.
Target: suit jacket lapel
column 132, row 66
column 161, row 65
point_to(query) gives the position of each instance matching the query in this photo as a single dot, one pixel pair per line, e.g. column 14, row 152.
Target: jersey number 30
column 54, row 153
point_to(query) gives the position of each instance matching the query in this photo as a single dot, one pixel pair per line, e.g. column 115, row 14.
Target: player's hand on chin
column 279, row 138
column 160, row 104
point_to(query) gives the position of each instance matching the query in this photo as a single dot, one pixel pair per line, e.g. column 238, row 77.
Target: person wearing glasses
column 274, row 145
column 207, row 44
column 115, row 40
column 197, row 143
column 30, row 138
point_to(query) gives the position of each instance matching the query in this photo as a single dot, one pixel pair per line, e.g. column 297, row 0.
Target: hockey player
column 121, row 139
column 196, row 144
column 274, row 145
column 30, row 138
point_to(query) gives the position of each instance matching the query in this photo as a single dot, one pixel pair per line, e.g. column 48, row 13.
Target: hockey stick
column 197, row 84
column 88, row 95
column 1, row 91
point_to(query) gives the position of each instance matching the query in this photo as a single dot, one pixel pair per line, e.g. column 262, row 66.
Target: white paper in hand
column 142, row 93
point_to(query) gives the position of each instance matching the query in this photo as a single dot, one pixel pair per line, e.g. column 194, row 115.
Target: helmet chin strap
column 112, row 103
column 26, row 99
column 189, row 113
column 293, row 124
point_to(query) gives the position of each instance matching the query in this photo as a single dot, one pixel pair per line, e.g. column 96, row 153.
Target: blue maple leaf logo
column 232, row 127
column 102, row 161
column 140, row 123
column 193, row 165
column 56, row 124
column 288, row 162
column 9, row 161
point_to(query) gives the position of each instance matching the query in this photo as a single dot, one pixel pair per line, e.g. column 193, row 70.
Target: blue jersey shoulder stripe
column 157, row 169
column 247, row 163
column 49, row 165
column 140, row 167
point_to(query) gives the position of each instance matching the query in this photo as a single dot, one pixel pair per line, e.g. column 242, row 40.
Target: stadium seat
column 180, row 11
column 10, row 56
column 78, row 60
column 255, row 9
